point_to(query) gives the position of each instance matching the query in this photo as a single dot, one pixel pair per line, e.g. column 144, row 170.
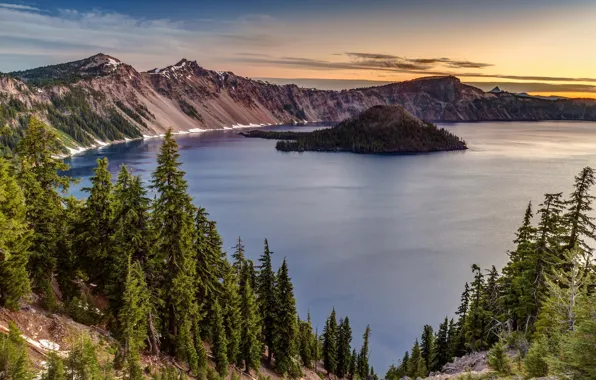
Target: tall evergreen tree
column 330, row 344
column 305, row 342
column 453, row 338
column 250, row 347
column 517, row 302
column 219, row 340
column 476, row 321
column 39, row 177
column 442, row 349
column 363, row 356
column 353, row 369
column 492, row 307
column 238, row 256
column 462, row 312
column 133, row 316
column 230, row 300
column 579, row 207
column 95, row 231
column 174, row 250
column 14, row 255
column 286, row 329
column 414, row 361
column 427, row 346
column 404, row 365
column 266, row 293
column 344, row 339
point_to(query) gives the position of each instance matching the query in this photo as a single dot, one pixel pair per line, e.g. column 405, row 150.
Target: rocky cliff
column 100, row 99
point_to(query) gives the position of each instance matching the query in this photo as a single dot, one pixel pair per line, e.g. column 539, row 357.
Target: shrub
column 498, row 360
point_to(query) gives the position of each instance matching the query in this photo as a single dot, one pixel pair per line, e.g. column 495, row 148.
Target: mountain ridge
column 190, row 98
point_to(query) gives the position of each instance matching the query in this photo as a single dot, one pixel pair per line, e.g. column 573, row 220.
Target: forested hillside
column 152, row 272
column 540, row 309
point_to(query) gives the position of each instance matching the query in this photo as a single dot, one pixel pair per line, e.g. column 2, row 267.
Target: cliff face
column 188, row 97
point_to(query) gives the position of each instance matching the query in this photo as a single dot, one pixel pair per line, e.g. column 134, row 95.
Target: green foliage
column 174, row 252
column 14, row 364
column 427, row 346
column 219, row 341
column 94, row 240
column 190, row 110
column 413, row 363
column 498, row 359
column 231, row 312
column 39, row 178
column 250, row 327
column 286, row 329
column 266, row 293
column 55, row 368
column 363, row 355
column 14, row 255
column 330, row 344
column 535, row 362
column 82, row 361
column 344, row 354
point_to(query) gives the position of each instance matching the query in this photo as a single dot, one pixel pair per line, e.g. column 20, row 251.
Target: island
column 378, row 130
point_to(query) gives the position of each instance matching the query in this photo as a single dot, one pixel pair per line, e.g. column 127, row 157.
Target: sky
column 537, row 46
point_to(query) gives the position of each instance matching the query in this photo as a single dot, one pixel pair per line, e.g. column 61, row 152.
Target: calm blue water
column 387, row 240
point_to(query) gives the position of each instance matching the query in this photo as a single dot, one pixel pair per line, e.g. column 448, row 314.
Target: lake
column 386, row 240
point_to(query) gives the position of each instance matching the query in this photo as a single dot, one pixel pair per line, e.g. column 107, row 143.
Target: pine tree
column 285, row 330
column 230, row 300
column 404, row 366
column 492, row 306
column 39, row 178
column 95, row 231
column 442, row 349
column 476, row 320
column 498, row 359
column 14, row 255
column 414, row 361
column 579, row 208
column 305, row 342
column 353, row 369
column 132, row 232
column 363, row 356
column 14, row 360
column 174, row 251
column 535, row 362
column 209, row 263
column 82, row 360
column 55, row 369
column 250, row 347
column 266, row 293
column 344, row 339
column 567, row 286
column 133, row 316
column 427, row 346
column 238, row 256
column 330, row 344
column 517, row 301
column 462, row 311
column 219, row 340
column 452, row 338
column 68, row 274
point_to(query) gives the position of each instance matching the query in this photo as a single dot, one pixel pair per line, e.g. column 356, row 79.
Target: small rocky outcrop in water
column 380, row 129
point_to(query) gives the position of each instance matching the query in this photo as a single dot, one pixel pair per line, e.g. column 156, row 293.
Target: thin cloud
column 403, row 67
column 389, row 60
column 19, row 7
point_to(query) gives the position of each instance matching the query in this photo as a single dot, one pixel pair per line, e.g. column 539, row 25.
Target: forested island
column 378, row 130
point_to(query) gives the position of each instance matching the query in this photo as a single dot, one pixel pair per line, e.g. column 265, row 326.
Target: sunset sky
column 545, row 46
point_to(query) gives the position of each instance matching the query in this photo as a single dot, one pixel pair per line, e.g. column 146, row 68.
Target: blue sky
column 543, row 41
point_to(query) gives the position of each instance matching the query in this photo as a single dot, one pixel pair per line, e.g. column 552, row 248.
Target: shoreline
column 101, row 144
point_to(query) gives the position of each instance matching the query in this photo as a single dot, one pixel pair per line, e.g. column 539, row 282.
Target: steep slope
column 101, row 99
